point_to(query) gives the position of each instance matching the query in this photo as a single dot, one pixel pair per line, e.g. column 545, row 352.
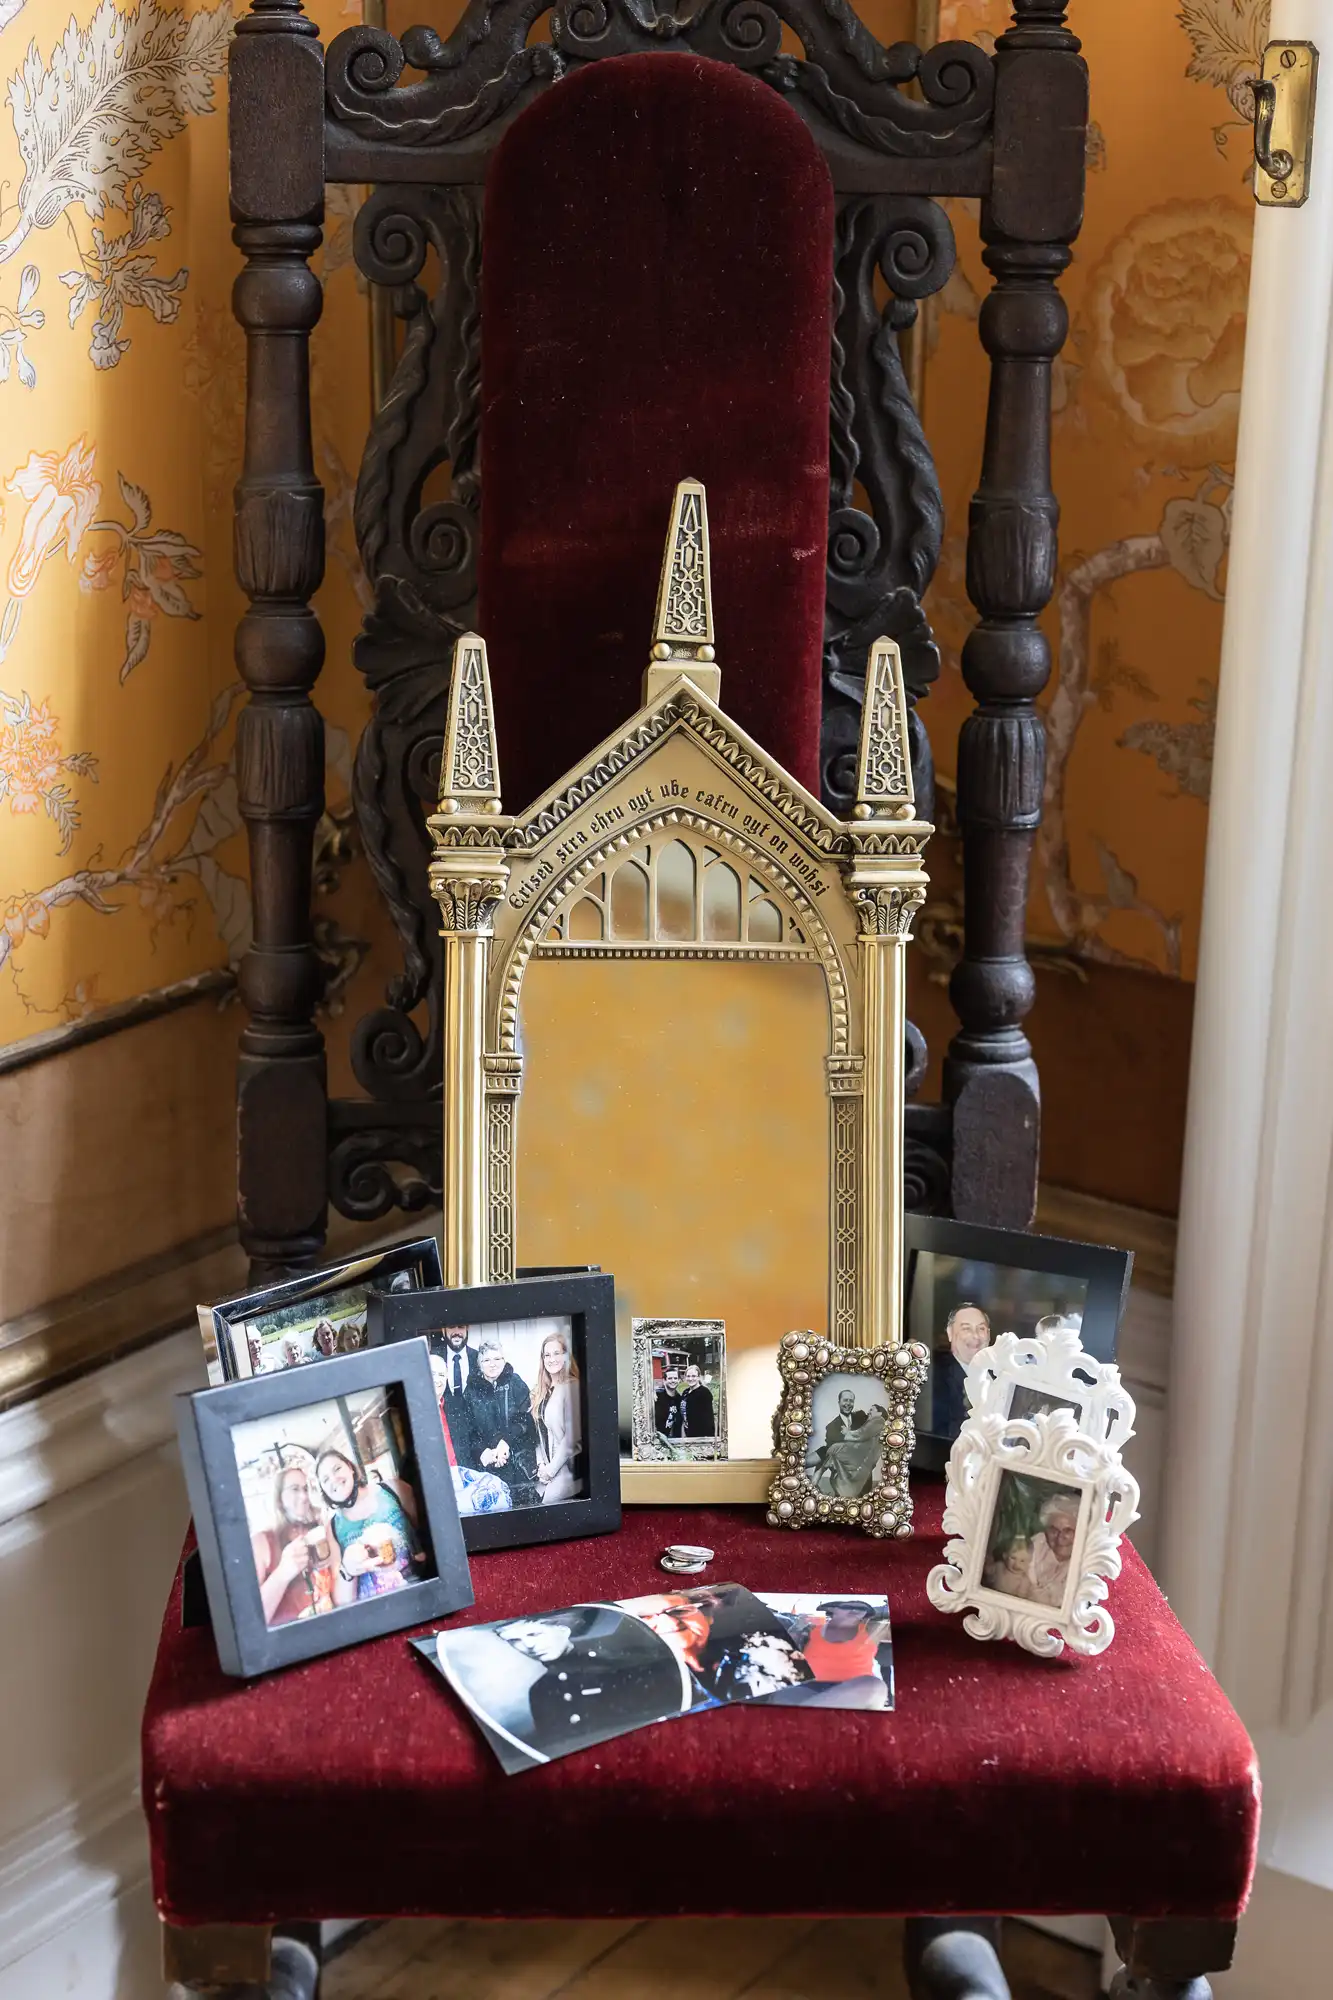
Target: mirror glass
column 673, row 1128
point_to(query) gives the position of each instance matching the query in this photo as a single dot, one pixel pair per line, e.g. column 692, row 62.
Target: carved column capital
column 468, row 902
column 887, row 912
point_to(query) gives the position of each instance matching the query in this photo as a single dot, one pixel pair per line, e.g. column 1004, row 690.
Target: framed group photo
column 310, row 1318
column 524, row 1380
column 966, row 1285
column 323, row 1507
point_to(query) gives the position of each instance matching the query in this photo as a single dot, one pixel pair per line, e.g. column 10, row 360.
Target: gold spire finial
column 470, row 769
column 683, row 631
column 884, row 788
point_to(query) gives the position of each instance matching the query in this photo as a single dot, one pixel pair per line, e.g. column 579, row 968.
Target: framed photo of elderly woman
column 323, row 1506
column 966, row 1285
column 1035, row 1510
column 525, row 1388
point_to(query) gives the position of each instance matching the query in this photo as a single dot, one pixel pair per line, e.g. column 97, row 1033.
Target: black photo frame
column 206, row 1419
column 588, row 1300
column 413, row 1266
column 1098, row 1274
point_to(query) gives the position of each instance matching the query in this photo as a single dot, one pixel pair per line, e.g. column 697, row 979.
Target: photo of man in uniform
column 544, row 1686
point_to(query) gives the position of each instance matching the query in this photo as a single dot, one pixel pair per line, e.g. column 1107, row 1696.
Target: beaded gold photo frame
column 843, row 1435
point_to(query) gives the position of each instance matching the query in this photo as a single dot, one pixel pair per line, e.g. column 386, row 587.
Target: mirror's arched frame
column 679, row 837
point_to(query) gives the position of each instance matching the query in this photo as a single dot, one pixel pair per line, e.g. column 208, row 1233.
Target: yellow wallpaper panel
column 1146, row 399
column 122, row 860
column 122, row 864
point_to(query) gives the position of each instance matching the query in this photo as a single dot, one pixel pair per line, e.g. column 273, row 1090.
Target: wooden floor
column 774, row 1959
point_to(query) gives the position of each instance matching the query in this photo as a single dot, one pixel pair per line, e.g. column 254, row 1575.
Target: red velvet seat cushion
column 356, row 1785
column 656, row 304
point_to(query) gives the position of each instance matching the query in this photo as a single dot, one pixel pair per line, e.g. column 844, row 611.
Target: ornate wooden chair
column 1008, row 129
column 1123, row 1783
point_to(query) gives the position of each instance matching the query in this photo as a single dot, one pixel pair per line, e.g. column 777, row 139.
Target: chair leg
column 954, row 1958
column 238, row 1962
column 1169, row 1958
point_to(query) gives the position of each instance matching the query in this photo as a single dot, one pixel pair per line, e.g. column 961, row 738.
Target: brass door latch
column 1284, row 124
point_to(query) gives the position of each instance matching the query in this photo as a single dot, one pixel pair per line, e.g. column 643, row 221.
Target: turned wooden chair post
column 1028, row 220
column 277, row 206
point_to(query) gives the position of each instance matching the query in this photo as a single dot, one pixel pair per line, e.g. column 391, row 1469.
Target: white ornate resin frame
column 795, row 1498
column 1054, row 1368
column 1049, row 1448
column 834, row 894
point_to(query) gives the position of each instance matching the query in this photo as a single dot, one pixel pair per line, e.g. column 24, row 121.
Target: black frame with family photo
column 411, row 1266
column 587, row 1300
column 207, row 1419
column 1090, row 1273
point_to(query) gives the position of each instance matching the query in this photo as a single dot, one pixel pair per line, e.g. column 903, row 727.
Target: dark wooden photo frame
column 1101, row 1274
column 206, row 1418
column 588, row 1301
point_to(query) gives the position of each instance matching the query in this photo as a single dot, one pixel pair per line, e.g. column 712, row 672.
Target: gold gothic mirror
column 674, row 1018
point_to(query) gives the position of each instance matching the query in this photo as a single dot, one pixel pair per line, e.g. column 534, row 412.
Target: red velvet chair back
column 656, row 302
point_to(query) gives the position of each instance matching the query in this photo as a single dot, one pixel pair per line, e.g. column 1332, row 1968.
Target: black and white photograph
column 523, row 1398
column 967, row 1285
column 1033, row 1537
column 845, row 1641
column 544, row 1685
column 323, row 1506
column 331, row 1504
column 680, row 1400
column 845, row 1451
column 312, row 1318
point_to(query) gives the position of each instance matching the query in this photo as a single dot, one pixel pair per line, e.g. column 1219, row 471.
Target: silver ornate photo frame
column 837, row 1463
column 651, row 1442
column 1068, row 1497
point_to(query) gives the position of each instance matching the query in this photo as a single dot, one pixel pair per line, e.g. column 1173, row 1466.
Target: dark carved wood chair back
column 1009, row 129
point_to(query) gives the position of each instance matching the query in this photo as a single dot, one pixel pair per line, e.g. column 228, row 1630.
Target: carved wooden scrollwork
column 421, row 558
column 845, row 78
column 879, row 563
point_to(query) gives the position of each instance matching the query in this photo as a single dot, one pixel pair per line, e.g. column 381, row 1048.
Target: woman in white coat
column 555, row 1406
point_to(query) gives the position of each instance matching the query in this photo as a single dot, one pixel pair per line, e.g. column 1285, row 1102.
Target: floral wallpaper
column 1147, row 393
column 122, row 861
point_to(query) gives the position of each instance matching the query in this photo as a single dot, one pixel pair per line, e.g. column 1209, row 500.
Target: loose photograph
column 543, row 1686
column 845, row 1452
column 680, row 1406
column 331, row 1504
column 845, row 1641
column 512, row 1405
column 1033, row 1537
